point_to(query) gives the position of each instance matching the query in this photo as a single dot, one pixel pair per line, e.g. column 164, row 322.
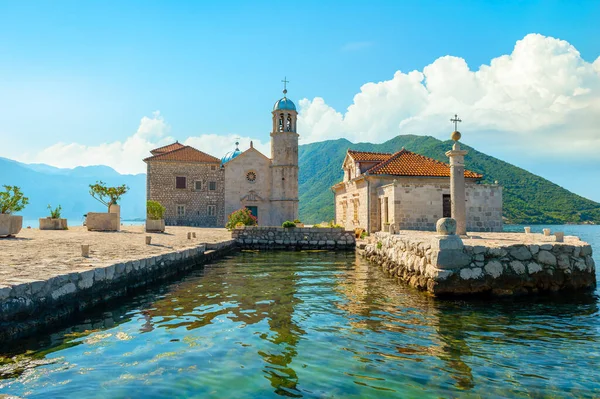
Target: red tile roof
column 184, row 154
column 407, row 163
column 167, row 148
column 364, row 156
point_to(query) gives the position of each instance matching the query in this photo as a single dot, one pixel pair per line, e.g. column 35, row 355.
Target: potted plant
column 54, row 221
column 12, row 200
column 155, row 216
column 109, row 197
column 243, row 216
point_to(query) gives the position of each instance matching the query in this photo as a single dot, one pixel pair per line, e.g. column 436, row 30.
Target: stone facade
column 445, row 266
column 380, row 202
column 31, row 306
column 294, row 238
column 194, row 204
column 413, row 204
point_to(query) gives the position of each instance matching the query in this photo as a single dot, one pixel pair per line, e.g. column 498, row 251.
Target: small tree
column 107, row 195
column 55, row 213
column 155, row 210
column 12, row 200
column 241, row 216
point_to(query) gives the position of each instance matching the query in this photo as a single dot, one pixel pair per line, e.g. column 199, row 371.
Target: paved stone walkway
column 39, row 255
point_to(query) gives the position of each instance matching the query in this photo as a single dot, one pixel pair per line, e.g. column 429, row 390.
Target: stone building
column 199, row 189
column 188, row 183
column 267, row 186
column 408, row 191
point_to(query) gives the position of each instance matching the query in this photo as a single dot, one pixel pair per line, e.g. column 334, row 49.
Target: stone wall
column 161, row 187
column 295, row 238
column 444, row 266
column 29, row 307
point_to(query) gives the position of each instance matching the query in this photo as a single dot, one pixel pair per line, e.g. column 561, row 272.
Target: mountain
column 528, row 198
column 46, row 185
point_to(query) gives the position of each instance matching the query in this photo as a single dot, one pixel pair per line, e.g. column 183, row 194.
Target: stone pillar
column 457, row 186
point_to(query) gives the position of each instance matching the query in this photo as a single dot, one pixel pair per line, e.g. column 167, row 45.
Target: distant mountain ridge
column 528, row 198
column 47, row 185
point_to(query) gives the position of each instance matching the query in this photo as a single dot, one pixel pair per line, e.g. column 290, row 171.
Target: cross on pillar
column 456, row 120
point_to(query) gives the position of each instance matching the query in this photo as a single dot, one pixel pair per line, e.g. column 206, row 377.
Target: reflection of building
column 199, row 189
column 408, row 191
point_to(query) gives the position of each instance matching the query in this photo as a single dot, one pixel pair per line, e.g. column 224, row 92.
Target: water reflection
column 315, row 324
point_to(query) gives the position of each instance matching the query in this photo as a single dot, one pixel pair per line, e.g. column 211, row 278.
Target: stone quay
column 44, row 278
column 293, row 238
column 497, row 264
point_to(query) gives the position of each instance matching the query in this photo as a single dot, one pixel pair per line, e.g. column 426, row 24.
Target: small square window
column 180, row 182
column 213, row 167
column 212, row 210
column 212, row 186
column 198, row 185
column 180, row 210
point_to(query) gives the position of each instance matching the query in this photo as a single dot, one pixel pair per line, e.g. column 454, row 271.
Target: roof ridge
column 183, row 147
column 387, row 161
column 167, row 145
column 370, row 152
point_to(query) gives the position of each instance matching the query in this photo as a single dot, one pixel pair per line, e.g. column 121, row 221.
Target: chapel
column 408, row 191
column 199, row 189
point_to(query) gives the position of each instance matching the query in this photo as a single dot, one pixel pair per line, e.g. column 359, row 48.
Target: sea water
column 315, row 324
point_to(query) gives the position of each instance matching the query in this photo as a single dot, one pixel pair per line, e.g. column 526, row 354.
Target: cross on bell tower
column 285, row 82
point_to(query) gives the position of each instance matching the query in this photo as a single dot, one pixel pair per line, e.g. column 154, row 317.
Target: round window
column 251, row 176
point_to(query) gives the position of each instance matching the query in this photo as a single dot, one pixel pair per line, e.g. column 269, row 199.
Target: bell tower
column 284, row 161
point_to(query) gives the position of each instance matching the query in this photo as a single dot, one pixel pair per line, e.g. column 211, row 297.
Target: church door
column 253, row 211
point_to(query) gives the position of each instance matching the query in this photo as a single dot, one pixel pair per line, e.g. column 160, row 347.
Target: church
column 199, row 189
column 408, row 191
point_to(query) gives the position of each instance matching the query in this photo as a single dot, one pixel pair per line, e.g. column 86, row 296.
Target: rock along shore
column 506, row 266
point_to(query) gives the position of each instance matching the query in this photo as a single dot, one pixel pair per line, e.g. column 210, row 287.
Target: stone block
column 450, row 259
column 155, row 225
column 10, row 225
column 86, row 279
column 99, row 274
column 533, row 268
column 494, row 268
column 563, row 261
column 520, row 252
column 53, row 224
column 534, row 249
column 517, row 267
column 66, row 289
column 468, row 273
column 452, row 242
column 102, row 221
column 546, row 258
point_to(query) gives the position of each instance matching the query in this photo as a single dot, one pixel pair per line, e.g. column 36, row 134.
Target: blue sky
column 86, row 74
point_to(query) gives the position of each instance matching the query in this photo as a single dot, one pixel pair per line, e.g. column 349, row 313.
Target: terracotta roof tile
column 368, row 156
column 166, row 148
column 184, row 154
column 406, row 163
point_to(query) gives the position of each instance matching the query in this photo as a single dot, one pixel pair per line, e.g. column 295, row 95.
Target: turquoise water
column 315, row 324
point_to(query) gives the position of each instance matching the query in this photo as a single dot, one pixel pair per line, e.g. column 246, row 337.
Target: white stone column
column 457, row 188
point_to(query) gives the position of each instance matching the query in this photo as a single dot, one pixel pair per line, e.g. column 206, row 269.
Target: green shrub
column 107, row 195
column 12, row 200
column 297, row 221
column 363, row 235
column 155, row 210
column 379, row 244
column 243, row 216
column 55, row 213
column 287, row 224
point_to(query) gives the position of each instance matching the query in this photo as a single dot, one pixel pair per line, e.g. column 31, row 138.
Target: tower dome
column 231, row 154
column 284, row 104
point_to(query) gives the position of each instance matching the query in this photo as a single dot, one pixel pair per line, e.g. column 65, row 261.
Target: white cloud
column 127, row 156
column 543, row 92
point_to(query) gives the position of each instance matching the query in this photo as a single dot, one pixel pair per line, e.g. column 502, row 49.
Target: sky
column 103, row 82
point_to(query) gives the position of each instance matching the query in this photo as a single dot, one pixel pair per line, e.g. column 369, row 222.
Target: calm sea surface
column 316, row 324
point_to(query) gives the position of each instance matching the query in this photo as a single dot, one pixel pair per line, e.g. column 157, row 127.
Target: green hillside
column 528, row 198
